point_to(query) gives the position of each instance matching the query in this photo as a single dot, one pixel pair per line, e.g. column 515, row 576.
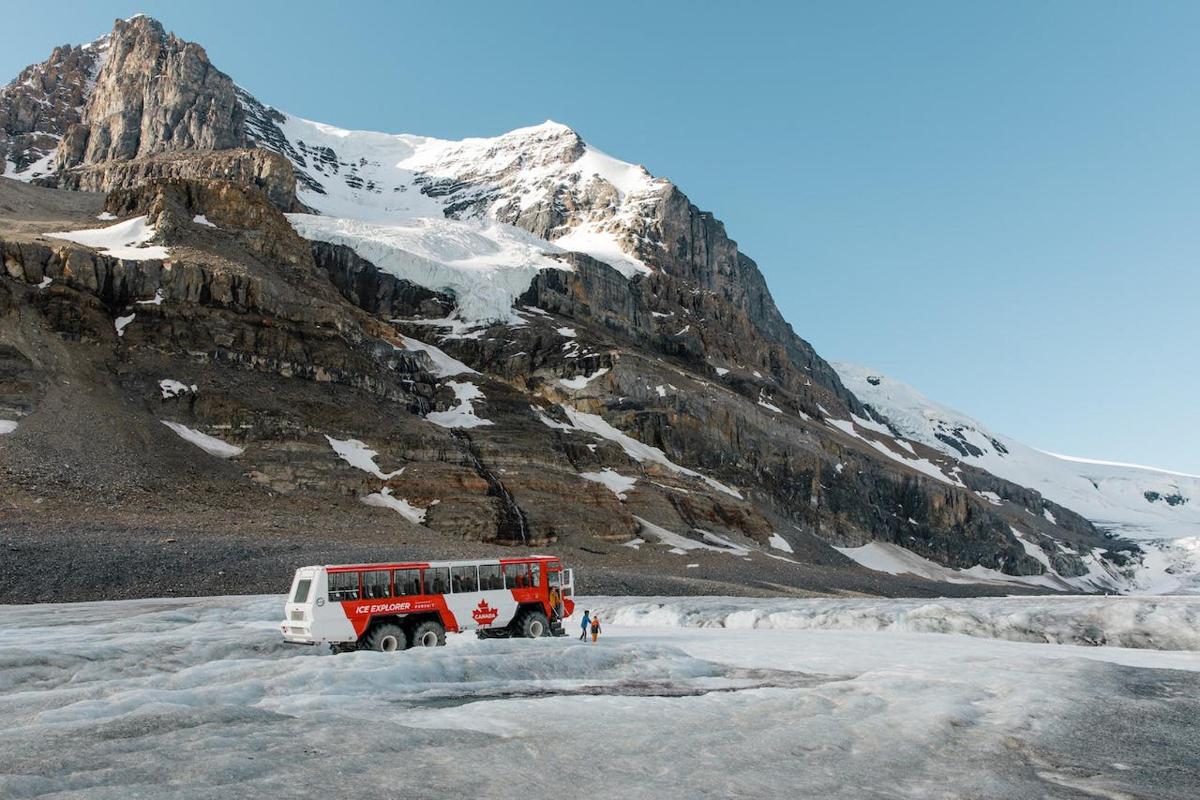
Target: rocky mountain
column 225, row 323
column 42, row 104
column 1157, row 507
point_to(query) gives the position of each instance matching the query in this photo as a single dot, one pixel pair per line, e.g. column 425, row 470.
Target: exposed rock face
column 42, row 104
column 377, row 292
column 155, row 93
column 255, row 168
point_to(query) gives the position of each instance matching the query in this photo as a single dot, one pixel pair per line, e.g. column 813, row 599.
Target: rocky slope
column 516, row 340
column 1158, row 508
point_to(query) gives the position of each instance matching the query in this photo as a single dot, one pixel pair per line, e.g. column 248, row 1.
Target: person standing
column 587, row 620
column 595, row 628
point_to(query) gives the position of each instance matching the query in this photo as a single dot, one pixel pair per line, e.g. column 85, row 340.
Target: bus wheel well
column 526, row 607
column 411, row 621
column 530, row 622
column 387, row 619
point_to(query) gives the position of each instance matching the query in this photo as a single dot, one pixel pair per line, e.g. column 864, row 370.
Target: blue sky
column 999, row 204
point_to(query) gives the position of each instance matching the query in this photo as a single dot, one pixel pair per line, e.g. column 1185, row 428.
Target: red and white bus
column 395, row 606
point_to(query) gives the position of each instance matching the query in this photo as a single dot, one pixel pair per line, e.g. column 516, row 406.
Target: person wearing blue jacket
column 587, row 621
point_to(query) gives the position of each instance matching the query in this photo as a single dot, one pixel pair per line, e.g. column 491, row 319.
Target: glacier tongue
column 485, row 266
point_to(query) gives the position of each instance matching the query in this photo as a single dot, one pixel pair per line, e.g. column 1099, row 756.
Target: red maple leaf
column 485, row 614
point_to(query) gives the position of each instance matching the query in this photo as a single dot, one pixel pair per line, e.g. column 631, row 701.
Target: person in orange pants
column 595, row 628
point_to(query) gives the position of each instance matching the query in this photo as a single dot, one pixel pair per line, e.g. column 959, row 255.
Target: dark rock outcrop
column 376, row 292
column 255, row 168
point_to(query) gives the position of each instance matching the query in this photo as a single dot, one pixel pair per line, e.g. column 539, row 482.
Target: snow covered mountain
column 617, row 345
column 543, row 179
column 1135, row 501
column 479, row 217
column 1144, row 503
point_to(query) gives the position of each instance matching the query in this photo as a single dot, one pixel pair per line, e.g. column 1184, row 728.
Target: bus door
column 564, row 581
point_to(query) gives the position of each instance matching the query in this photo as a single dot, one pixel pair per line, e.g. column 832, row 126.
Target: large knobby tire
column 534, row 624
column 386, row 638
column 429, row 634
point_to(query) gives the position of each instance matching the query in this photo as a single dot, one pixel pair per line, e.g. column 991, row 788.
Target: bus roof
column 473, row 562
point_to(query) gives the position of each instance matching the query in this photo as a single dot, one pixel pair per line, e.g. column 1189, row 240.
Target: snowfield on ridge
column 1134, row 501
column 444, row 214
column 199, row 697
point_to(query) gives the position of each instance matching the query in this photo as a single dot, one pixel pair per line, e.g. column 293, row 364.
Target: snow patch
column 636, row 450
column 444, row 366
column 780, row 543
column 463, row 414
column 384, row 499
column 580, row 381
column 550, row 422
column 617, row 483
column 209, row 444
column 172, row 388
column 896, row 560
column 358, row 455
column 919, row 464
column 765, row 402
column 126, row 240
column 991, row 497
column 7, row 425
column 681, row 544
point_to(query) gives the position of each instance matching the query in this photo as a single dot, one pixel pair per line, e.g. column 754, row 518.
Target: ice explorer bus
column 413, row 604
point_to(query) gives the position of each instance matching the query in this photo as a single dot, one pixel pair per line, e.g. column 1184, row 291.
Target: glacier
column 198, row 698
column 441, row 213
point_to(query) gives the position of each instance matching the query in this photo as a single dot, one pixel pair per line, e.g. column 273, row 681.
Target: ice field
column 682, row 697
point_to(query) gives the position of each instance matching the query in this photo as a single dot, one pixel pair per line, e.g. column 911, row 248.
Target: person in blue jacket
column 587, row 621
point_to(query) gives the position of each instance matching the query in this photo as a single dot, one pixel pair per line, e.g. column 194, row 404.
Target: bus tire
column 534, row 624
column 429, row 634
column 386, row 638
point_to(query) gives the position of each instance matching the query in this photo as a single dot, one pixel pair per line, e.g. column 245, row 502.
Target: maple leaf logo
column 485, row 614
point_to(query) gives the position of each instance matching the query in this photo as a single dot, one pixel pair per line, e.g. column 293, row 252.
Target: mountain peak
column 549, row 126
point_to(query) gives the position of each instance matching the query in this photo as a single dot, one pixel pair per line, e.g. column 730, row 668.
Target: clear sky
column 997, row 203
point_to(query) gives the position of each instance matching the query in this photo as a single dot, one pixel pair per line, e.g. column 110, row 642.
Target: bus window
column 535, row 574
column 489, row 577
column 302, row 587
column 437, row 580
column 376, row 584
column 463, row 579
column 516, row 576
column 408, row 581
column 343, row 586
